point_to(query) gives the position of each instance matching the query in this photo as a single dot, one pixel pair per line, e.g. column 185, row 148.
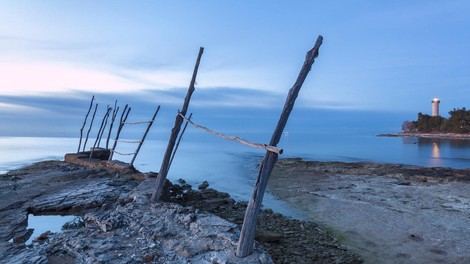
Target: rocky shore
column 115, row 222
column 386, row 213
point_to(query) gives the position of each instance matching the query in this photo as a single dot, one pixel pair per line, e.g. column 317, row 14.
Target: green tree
column 459, row 121
column 429, row 124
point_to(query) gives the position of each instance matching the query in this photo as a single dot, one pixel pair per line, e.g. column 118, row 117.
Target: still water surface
column 232, row 167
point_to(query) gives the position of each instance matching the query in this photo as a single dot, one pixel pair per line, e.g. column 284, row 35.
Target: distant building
column 435, row 106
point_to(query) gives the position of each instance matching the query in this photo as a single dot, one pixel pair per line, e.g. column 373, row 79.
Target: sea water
column 232, row 167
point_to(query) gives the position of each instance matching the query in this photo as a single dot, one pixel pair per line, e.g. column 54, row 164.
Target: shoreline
column 428, row 135
column 114, row 211
column 386, row 213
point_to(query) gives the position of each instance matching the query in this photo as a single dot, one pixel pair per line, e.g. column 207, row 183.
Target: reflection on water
column 435, row 150
column 440, row 149
column 456, row 143
column 436, row 155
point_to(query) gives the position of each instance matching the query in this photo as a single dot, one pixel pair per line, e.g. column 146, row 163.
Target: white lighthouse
column 435, row 106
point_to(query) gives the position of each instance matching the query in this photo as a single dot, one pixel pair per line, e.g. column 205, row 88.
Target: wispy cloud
column 38, row 78
column 17, row 108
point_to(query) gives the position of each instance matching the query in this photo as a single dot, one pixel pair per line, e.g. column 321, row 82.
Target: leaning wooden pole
column 124, row 115
column 165, row 167
column 89, row 129
column 247, row 234
column 179, row 139
column 104, row 126
column 84, row 123
column 145, row 135
column 100, row 132
column 115, row 112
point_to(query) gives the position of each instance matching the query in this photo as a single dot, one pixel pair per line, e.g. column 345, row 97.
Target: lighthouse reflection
column 436, row 144
column 435, row 150
column 438, row 149
column 432, row 147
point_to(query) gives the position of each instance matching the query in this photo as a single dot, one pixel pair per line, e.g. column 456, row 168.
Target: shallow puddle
column 43, row 223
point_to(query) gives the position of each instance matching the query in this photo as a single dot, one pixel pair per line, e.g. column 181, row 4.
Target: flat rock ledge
column 139, row 233
column 116, row 223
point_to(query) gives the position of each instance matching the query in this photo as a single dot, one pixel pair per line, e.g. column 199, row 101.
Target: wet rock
column 416, row 238
column 404, row 183
column 23, row 236
column 75, row 223
column 438, row 251
column 43, row 237
column 203, row 185
column 263, row 235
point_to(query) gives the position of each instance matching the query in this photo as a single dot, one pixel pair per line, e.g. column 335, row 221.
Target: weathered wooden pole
column 158, row 188
column 103, row 127
column 247, row 234
column 124, row 115
column 100, row 131
column 84, row 123
column 89, row 129
column 145, row 135
column 179, row 139
column 115, row 112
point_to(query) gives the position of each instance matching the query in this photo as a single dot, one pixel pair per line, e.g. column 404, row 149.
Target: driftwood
column 89, row 129
column 179, row 138
column 165, row 166
column 247, row 234
column 84, row 123
column 145, row 135
column 238, row 139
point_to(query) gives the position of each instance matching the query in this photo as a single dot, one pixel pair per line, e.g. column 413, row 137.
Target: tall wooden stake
column 124, row 115
column 100, row 132
column 247, row 234
column 145, row 135
column 115, row 112
column 84, row 123
column 106, row 117
column 179, row 140
column 89, row 129
column 165, row 167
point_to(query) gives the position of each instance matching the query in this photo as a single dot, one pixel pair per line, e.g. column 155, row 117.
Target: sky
column 386, row 57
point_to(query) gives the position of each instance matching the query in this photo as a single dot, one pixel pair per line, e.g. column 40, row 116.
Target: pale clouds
column 18, row 108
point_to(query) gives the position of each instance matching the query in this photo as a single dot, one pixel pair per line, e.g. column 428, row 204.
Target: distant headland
column 457, row 126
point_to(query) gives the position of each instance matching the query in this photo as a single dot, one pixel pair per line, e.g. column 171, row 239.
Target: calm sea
column 232, row 167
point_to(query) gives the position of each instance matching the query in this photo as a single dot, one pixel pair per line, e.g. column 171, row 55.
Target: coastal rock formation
column 387, row 213
column 117, row 224
column 138, row 233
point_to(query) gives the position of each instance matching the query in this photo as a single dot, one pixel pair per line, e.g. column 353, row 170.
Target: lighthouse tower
column 435, row 106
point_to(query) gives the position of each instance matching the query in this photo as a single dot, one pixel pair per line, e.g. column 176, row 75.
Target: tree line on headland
column 458, row 122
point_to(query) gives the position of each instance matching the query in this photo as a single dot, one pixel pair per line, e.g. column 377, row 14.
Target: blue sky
column 377, row 56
